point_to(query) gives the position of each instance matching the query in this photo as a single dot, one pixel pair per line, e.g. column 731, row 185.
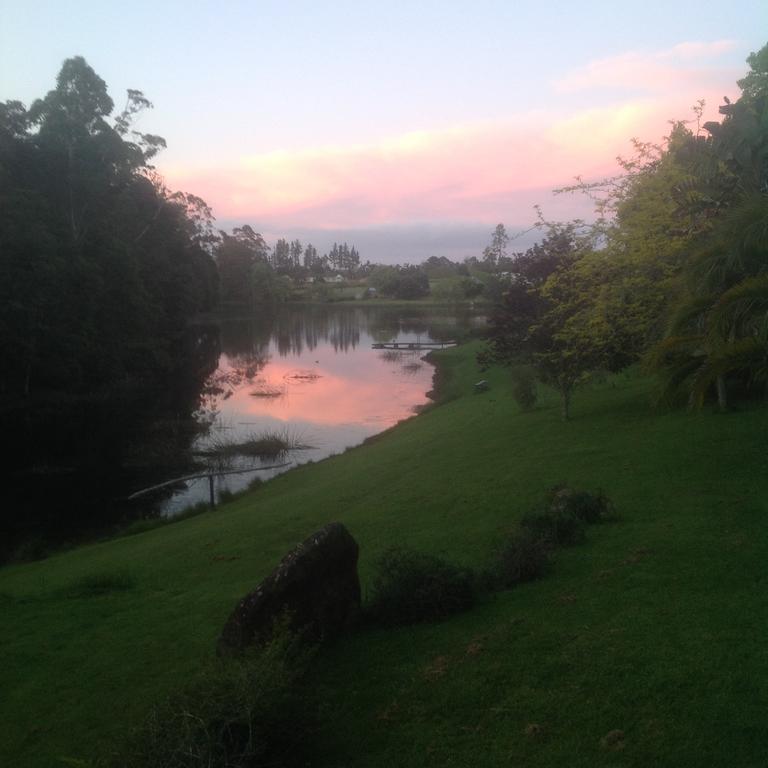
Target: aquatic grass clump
column 399, row 355
column 411, row 369
column 268, row 391
column 269, row 444
column 302, row 375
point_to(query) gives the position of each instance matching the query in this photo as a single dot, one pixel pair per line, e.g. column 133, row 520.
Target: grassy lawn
column 655, row 627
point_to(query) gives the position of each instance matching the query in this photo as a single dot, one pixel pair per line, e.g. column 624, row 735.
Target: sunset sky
column 409, row 129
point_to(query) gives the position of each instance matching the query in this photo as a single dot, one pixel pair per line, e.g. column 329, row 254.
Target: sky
column 408, row 129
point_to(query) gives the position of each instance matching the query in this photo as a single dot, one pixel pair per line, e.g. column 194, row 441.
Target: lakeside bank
column 633, row 631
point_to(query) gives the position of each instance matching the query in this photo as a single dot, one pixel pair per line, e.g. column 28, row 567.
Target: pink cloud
column 482, row 171
column 670, row 71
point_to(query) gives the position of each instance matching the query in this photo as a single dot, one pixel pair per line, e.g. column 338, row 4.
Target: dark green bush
column 524, row 388
column 555, row 528
column 524, row 556
column 412, row 587
column 588, row 507
column 99, row 584
column 246, row 712
column 558, row 528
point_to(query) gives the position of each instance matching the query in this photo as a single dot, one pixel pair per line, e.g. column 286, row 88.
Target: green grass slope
column 655, row 627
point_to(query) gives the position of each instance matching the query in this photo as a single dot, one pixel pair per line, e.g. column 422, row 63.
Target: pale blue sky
column 232, row 80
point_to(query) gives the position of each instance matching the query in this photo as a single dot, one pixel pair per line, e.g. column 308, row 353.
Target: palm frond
column 746, row 224
column 736, row 248
column 691, row 315
column 744, row 305
column 748, row 355
column 669, row 350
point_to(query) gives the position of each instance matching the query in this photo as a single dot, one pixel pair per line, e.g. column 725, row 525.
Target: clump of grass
column 150, row 523
column 411, row 368
column 524, row 388
column 225, row 495
column 251, row 711
column 193, row 511
column 413, row 587
column 99, row 584
column 588, row 507
column 270, row 444
column 391, row 356
column 268, row 390
column 524, row 556
column 302, row 375
column 557, row 527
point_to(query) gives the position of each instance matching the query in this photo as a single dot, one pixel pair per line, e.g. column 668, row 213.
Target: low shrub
column 251, row 711
column 412, row 587
column 524, row 556
column 587, row 507
column 524, row 388
column 225, row 496
column 30, row 550
column 99, row 584
column 558, row 528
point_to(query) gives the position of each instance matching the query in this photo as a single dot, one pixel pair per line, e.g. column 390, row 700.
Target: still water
column 310, row 377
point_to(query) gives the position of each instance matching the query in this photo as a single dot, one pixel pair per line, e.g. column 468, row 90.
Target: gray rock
column 316, row 584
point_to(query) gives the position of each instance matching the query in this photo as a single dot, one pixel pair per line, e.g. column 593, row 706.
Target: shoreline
column 435, row 397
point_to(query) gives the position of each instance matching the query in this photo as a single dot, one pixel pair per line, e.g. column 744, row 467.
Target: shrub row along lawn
column 644, row 645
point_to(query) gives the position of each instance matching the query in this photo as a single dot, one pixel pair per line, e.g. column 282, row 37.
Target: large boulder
column 316, row 585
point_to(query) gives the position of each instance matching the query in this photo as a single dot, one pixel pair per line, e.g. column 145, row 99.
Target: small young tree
column 542, row 319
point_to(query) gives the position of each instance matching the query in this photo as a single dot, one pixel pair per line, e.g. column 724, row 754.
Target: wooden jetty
column 407, row 345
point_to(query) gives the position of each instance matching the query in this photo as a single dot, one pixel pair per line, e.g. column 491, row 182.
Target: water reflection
column 311, row 374
column 76, row 459
column 305, row 375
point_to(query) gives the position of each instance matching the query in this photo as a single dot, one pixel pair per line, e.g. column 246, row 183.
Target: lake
column 309, row 376
column 305, row 375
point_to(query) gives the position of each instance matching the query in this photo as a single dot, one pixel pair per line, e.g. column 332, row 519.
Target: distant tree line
column 256, row 275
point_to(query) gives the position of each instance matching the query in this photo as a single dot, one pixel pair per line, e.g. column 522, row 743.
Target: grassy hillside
column 654, row 627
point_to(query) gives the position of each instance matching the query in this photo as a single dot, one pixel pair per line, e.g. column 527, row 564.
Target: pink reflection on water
column 327, row 388
column 322, row 388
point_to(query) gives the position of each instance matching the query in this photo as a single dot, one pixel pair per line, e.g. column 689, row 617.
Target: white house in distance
column 334, row 279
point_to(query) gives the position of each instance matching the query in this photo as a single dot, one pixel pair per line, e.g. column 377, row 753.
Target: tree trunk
column 722, row 394
column 565, row 404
